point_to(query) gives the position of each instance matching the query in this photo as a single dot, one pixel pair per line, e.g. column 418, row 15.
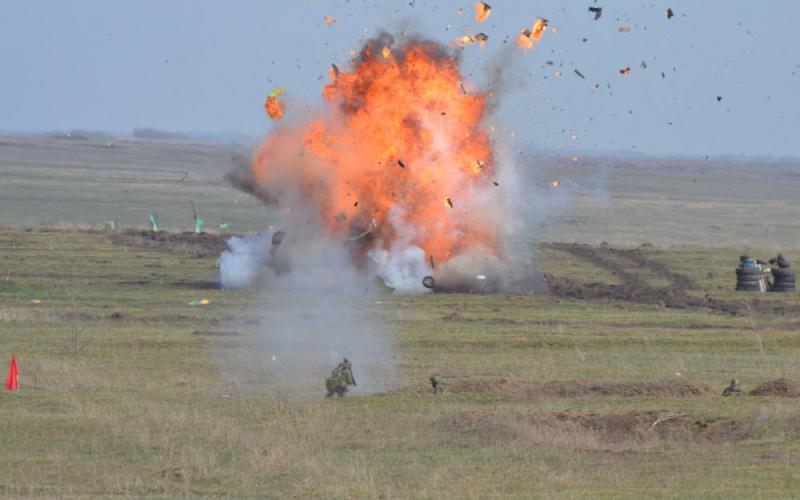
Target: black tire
column 782, row 272
column 748, row 279
column 747, row 284
column 747, row 272
column 741, row 288
column 428, row 282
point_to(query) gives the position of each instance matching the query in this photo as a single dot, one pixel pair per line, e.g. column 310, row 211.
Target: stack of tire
column 749, row 280
column 782, row 279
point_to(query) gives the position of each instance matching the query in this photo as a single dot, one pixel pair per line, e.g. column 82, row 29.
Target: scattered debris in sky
column 597, row 11
column 482, row 11
column 480, row 38
column 528, row 38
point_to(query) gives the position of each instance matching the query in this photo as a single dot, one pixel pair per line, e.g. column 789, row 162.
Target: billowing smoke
column 395, row 180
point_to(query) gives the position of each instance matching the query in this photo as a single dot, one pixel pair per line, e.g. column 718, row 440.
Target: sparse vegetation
column 575, row 398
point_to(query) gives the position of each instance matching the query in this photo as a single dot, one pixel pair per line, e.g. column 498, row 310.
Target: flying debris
column 624, row 29
column 448, row 203
column 557, row 74
column 663, row 76
column 597, row 11
column 554, row 183
column 643, row 65
column 335, row 70
column 719, row 98
column 480, row 38
column 579, row 74
column 482, row 11
column 527, row 38
column 273, row 106
column 329, row 20
column 625, row 71
column 400, row 162
column 670, row 13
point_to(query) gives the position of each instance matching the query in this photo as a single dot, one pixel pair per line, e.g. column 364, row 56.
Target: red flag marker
column 11, row 380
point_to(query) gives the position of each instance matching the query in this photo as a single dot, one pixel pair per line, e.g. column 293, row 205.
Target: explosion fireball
column 398, row 161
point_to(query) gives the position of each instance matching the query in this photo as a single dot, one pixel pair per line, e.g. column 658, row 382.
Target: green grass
column 147, row 407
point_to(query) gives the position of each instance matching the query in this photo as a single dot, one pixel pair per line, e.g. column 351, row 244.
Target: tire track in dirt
column 634, row 289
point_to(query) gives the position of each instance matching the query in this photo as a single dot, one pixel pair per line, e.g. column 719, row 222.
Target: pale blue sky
column 205, row 66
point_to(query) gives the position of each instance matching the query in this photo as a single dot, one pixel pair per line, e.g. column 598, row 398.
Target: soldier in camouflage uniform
column 341, row 377
column 733, row 389
column 438, row 386
column 781, row 262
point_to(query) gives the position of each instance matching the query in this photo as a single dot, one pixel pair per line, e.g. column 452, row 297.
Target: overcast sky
column 206, row 66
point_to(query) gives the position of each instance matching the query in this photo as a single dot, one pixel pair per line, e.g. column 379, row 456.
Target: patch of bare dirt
column 781, row 387
column 592, row 431
column 643, row 425
column 634, row 289
column 530, row 389
column 198, row 245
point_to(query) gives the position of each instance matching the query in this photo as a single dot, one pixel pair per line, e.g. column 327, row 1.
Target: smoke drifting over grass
column 396, row 179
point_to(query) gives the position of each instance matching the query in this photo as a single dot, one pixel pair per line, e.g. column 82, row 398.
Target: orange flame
column 400, row 136
column 482, row 11
column 274, row 108
column 528, row 38
column 329, row 20
column 480, row 38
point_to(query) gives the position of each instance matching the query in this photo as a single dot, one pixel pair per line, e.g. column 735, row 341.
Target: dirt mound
column 644, row 425
column 673, row 298
column 197, row 245
column 530, row 389
column 589, row 430
column 624, row 265
column 781, row 387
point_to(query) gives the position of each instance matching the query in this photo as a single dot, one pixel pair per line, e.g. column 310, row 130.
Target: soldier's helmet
column 735, row 382
column 346, row 363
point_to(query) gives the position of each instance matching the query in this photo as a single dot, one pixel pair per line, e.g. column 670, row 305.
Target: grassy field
column 127, row 389
column 59, row 183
